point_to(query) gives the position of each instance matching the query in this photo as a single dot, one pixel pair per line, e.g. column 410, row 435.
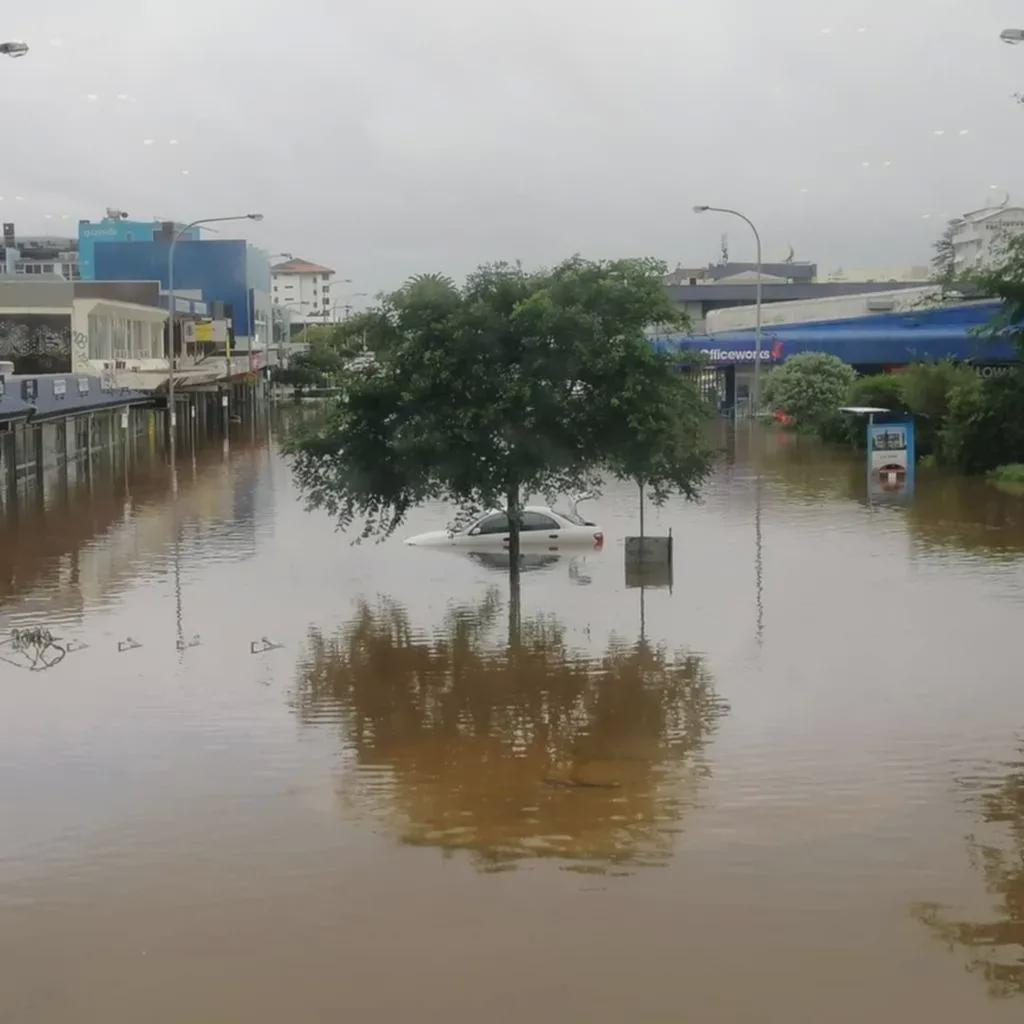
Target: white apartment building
column 305, row 289
column 977, row 235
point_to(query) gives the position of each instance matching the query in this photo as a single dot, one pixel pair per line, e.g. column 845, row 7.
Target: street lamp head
column 14, row 48
column 254, row 216
column 701, row 209
column 1013, row 36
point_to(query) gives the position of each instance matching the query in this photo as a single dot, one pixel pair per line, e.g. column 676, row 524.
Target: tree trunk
column 514, row 521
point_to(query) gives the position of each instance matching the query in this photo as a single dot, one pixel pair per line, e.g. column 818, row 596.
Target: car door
column 539, row 530
column 489, row 532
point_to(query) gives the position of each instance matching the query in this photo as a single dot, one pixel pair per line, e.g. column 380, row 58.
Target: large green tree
column 517, row 383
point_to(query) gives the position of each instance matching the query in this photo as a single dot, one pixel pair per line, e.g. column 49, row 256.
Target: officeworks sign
column 770, row 353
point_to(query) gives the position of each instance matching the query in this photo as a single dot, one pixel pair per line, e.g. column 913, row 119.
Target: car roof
column 543, row 509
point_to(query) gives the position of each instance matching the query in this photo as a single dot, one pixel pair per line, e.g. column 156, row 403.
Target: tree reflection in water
column 524, row 750
column 996, row 948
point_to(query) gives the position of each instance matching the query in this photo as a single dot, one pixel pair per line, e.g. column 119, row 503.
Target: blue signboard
column 891, row 458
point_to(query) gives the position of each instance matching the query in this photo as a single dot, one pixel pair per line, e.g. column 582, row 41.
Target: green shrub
column 881, row 390
column 985, row 423
column 810, row 387
column 1011, row 473
column 928, row 389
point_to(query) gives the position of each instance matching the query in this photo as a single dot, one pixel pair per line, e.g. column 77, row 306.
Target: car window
column 497, row 523
column 537, row 521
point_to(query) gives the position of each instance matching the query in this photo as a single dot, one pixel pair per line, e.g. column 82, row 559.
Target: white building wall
column 304, row 294
column 979, row 235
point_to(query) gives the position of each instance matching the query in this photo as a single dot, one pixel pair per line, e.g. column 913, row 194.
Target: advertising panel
column 891, row 458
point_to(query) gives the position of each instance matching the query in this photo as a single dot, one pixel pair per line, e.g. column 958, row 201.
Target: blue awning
column 887, row 339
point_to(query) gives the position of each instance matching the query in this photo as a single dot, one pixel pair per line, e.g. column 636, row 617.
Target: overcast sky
column 387, row 137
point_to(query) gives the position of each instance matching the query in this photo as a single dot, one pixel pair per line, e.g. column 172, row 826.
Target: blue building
column 227, row 271
column 115, row 229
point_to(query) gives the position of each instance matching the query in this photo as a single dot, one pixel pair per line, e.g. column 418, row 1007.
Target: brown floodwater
column 261, row 774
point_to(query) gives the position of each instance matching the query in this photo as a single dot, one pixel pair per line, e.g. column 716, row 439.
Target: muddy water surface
column 789, row 788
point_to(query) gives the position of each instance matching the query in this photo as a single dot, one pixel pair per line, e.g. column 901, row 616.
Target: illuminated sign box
column 891, row 458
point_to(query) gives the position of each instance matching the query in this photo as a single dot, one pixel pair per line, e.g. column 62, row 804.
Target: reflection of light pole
column 758, row 556
column 170, row 306
column 756, row 396
column 14, row 48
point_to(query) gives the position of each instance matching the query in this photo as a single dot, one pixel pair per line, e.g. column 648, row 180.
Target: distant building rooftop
column 786, row 271
column 300, row 267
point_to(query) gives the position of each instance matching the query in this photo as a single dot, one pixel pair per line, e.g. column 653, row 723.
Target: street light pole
column 171, row 415
column 756, row 395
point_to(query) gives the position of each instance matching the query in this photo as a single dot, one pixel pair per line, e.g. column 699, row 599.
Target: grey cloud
column 390, row 138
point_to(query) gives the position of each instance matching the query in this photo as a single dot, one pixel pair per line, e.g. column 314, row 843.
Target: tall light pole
column 273, row 301
column 756, row 394
column 14, row 48
column 171, row 417
column 329, row 312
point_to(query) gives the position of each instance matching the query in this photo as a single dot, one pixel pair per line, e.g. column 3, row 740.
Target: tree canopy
column 517, row 383
column 1004, row 279
column 943, row 260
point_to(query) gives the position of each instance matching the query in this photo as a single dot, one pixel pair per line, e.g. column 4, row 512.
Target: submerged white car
column 542, row 527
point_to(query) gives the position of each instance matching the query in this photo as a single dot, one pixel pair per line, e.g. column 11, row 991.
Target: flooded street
column 279, row 777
